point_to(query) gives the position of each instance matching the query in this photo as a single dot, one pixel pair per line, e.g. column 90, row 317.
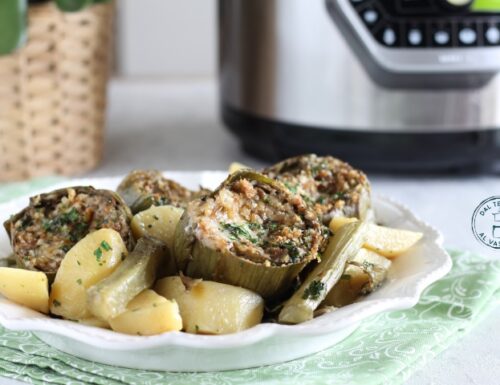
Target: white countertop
column 175, row 126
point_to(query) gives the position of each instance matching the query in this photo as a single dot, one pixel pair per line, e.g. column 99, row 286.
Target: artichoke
column 142, row 189
column 250, row 232
column 43, row 232
column 328, row 185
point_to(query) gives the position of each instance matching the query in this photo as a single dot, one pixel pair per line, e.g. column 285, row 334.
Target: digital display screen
column 486, row 6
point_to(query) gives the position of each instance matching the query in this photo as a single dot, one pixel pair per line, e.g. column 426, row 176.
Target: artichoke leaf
column 342, row 247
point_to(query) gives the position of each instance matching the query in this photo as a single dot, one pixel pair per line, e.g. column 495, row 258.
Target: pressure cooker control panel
column 428, row 23
column 423, row 43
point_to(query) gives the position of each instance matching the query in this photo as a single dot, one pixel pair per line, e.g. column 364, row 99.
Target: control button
column 370, row 16
column 442, row 37
column 415, row 37
column 492, row 35
column 389, row 36
column 467, row 36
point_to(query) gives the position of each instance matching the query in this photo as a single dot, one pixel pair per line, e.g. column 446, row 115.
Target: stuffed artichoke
column 43, row 232
column 328, row 185
column 251, row 232
column 142, row 189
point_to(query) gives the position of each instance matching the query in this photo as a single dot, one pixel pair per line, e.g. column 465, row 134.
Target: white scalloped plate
column 264, row 344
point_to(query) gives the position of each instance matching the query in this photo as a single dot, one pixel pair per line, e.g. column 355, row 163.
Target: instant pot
column 403, row 84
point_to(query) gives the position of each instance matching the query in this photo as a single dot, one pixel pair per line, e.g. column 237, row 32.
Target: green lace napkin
column 385, row 349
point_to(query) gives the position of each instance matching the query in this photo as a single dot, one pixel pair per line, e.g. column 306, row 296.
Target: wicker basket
column 53, row 93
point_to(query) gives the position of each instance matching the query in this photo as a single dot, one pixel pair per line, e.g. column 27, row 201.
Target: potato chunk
column 158, row 222
column 148, row 314
column 385, row 241
column 211, row 307
column 362, row 275
column 92, row 259
column 25, row 287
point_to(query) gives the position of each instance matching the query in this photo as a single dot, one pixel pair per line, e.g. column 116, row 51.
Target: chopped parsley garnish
column 290, row 187
column 26, row 222
column 78, row 231
column 71, row 216
column 321, row 199
column 105, row 245
column 79, row 281
column 56, row 303
column 156, row 217
column 293, row 251
column 307, row 199
column 313, row 291
column 368, row 266
column 98, row 254
column 272, row 226
column 339, row 195
column 78, row 262
column 316, row 169
column 238, row 232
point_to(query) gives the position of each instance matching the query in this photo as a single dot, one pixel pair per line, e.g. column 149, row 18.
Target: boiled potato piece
column 235, row 166
column 25, row 287
column 383, row 240
column 148, row 314
column 348, row 288
column 374, row 264
column 363, row 274
column 211, row 307
column 158, row 222
column 390, row 242
column 92, row 259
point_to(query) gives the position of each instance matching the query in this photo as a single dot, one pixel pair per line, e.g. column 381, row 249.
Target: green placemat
column 385, row 349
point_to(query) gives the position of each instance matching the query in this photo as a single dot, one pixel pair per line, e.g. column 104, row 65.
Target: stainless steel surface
column 285, row 60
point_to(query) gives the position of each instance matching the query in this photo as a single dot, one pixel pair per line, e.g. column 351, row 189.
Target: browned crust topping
column 328, row 185
column 52, row 223
column 151, row 188
column 259, row 222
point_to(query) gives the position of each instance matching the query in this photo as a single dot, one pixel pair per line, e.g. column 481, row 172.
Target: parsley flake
column 98, row 254
column 238, row 232
column 105, row 245
column 313, row 291
column 293, row 251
